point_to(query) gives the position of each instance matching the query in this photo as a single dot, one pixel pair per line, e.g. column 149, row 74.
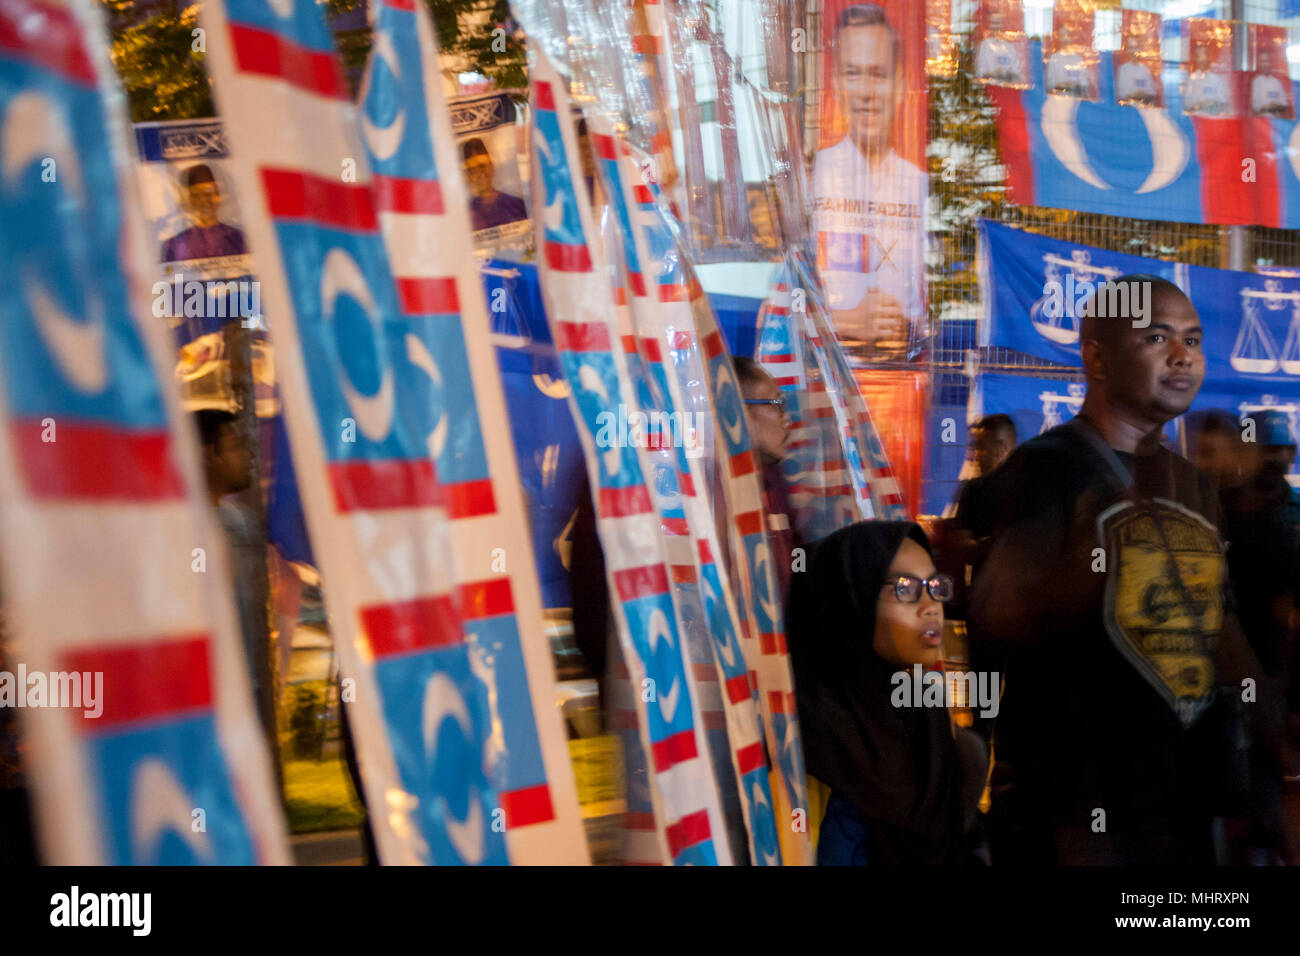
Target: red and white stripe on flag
column 145, row 747
column 355, row 401
column 423, row 213
column 664, row 328
column 580, row 307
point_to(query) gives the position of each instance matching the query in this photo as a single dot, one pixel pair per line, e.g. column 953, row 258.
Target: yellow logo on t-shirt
column 1165, row 629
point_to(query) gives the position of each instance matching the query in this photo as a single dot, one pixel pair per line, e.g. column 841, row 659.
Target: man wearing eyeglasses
column 1103, row 603
column 769, row 430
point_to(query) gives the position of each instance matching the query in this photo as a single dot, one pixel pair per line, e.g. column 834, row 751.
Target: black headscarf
column 897, row 766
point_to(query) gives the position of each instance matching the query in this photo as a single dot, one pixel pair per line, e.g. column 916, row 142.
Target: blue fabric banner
column 1036, row 285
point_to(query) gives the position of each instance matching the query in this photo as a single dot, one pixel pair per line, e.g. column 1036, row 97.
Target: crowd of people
column 1137, row 609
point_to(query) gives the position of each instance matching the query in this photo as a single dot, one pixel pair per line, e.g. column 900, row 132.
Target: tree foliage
column 153, row 52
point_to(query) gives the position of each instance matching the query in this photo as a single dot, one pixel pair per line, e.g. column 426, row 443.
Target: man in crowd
column 1102, row 606
column 228, row 465
column 869, row 204
column 992, row 440
column 769, row 429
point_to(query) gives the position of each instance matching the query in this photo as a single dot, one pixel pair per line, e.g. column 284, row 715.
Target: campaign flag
column 357, row 390
column 424, row 214
column 580, row 307
column 663, row 323
column 1036, row 287
column 145, row 748
column 1150, row 162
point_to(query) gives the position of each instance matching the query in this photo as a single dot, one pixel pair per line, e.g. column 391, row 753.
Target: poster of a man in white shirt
column 1002, row 54
column 1206, row 89
column 1137, row 70
column 869, row 203
column 1268, row 92
column 1071, row 68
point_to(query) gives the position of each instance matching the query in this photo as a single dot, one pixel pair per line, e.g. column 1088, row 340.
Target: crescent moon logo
column 422, row 359
column 341, row 275
column 589, row 380
column 724, row 397
column 761, row 575
column 1293, row 150
column 1061, row 130
column 34, row 129
column 761, row 812
column 160, row 804
column 722, row 636
column 658, row 627
column 283, row 8
column 383, row 141
column 1169, row 146
column 443, row 700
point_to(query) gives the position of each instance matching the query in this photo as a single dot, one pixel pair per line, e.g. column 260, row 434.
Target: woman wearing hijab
column 904, row 786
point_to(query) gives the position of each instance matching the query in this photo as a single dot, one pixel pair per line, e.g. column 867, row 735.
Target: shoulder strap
column 1084, row 429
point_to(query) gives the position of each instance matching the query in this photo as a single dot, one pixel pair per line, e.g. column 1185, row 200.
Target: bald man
column 1102, row 604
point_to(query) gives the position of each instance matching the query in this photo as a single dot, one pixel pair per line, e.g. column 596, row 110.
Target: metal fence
column 967, row 184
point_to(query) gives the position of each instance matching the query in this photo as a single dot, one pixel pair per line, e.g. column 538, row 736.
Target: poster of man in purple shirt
column 207, row 237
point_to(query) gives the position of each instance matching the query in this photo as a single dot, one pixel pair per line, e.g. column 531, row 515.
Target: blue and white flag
column 145, row 748
column 424, row 215
column 357, row 395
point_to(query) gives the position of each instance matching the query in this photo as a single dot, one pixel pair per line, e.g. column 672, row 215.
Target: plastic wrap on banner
column 580, row 306
column 148, row 750
column 356, row 389
column 424, row 215
column 664, row 325
column 795, row 329
column 814, row 467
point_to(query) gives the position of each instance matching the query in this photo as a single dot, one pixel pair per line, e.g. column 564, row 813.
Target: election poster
column 1070, row 67
column 1207, row 85
column 1001, row 46
column 1270, row 82
column 1137, row 62
column 485, row 132
column 869, row 183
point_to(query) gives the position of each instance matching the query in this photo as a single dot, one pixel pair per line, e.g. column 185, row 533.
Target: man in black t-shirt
column 1102, row 605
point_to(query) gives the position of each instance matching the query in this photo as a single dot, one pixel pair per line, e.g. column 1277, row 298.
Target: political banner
column 1036, row 287
column 1208, row 75
column 204, row 266
column 425, row 215
column 869, row 184
column 1071, row 65
column 576, row 284
column 1150, row 161
column 357, row 391
column 1001, row 47
column 1270, row 92
column 663, row 323
column 1137, row 63
column 486, row 133
column 132, row 684
column 1037, row 404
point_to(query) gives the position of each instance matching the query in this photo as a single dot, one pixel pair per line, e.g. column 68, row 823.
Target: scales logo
column 1067, row 283
column 1255, row 350
column 1073, row 400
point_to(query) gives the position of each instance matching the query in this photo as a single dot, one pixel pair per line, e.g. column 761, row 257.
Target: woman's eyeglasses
column 778, row 403
column 908, row 588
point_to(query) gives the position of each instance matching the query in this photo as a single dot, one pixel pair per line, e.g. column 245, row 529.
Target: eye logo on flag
column 97, row 493
column 459, row 413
